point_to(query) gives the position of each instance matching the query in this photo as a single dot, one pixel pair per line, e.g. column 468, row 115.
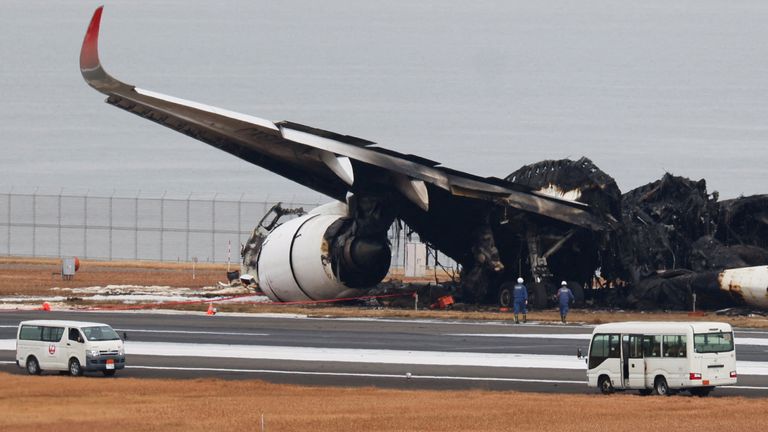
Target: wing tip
column 89, row 53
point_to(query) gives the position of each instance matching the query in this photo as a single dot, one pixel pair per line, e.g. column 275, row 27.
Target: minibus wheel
column 74, row 367
column 604, row 383
column 33, row 367
column 660, row 387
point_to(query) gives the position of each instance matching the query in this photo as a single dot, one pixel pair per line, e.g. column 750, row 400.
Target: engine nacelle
column 297, row 261
column 748, row 284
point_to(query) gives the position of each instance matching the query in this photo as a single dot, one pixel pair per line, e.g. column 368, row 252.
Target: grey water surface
column 641, row 88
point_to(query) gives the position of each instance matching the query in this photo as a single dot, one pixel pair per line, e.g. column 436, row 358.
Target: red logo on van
column 51, row 349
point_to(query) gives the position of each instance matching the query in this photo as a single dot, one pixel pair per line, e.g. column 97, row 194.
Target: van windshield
column 712, row 342
column 100, row 333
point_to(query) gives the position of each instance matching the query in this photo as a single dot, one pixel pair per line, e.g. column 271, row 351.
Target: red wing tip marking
column 89, row 54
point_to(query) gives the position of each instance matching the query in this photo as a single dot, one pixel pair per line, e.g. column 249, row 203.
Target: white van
column 73, row 346
column 662, row 357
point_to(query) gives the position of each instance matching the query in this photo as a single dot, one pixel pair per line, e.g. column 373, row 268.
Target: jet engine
column 319, row 256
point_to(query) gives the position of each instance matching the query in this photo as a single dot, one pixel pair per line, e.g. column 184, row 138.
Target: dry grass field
column 34, row 277
column 60, row 403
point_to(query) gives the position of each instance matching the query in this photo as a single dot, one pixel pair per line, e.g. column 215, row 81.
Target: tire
column 74, row 367
column 605, row 385
column 33, row 366
column 109, row 373
column 505, row 296
column 660, row 387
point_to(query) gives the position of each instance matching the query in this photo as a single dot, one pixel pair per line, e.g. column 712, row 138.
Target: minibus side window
column 613, row 346
column 652, row 346
column 603, row 346
column 635, row 346
column 674, row 346
column 29, row 332
column 52, row 334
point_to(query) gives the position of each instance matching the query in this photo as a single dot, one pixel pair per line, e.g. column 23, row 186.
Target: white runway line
column 191, row 332
column 586, row 336
column 348, row 355
column 578, row 336
column 361, row 375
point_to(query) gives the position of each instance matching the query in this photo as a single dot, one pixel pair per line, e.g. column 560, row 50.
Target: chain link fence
column 154, row 228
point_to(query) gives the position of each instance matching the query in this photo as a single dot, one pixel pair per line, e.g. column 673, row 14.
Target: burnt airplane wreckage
column 551, row 221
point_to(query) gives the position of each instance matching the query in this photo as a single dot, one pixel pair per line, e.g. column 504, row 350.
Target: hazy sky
column 487, row 86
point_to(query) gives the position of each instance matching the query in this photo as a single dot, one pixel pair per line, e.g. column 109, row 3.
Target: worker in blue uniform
column 520, row 298
column 565, row 297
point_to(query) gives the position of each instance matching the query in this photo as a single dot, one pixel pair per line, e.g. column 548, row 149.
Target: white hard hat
column 519, row 280
column 563, row 283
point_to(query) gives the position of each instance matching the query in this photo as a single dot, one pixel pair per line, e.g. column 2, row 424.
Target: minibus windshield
column 713, row 342
column 100, row 333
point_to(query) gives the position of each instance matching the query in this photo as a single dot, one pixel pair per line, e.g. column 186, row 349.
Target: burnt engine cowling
column 319, row 256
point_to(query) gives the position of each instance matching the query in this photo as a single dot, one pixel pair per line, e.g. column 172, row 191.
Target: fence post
column 162, row 223
column 189, row 197
column 239, row 221
column 213, row 228
column 85, row 224
column 111, row 197
column 9, row 220
column 58, row 219
column 34, row 222
column 136, row 226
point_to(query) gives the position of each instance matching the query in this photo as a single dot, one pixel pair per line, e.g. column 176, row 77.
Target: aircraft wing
column 327, row 162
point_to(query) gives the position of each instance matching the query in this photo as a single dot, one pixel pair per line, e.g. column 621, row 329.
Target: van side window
column 674, row 346
column 74, row 335
column 52, row 334
column 29, row 332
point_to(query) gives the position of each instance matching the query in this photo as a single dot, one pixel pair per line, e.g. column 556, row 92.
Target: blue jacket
column 520, row 292
column 565, row 296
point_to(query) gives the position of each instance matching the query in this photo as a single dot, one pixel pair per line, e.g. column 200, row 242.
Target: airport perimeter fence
column 144, row 228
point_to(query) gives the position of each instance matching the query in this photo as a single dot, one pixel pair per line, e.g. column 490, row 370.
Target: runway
column 397, row 353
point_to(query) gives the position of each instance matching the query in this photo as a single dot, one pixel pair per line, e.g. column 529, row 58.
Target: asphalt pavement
column 396, row 353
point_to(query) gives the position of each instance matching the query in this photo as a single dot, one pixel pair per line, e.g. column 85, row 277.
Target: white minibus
column 661, row 357
column 72, row 346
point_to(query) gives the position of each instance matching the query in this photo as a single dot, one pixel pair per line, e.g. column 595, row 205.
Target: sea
column 641, row 88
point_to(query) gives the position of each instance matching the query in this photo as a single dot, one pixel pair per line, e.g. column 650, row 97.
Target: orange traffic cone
column 46, row 306
column 211, row 310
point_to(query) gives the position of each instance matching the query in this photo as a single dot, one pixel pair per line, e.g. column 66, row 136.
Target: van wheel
column 74, row 367
column 660, row 387
column 33, row 367
column 108, row 372
column 604, row 383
